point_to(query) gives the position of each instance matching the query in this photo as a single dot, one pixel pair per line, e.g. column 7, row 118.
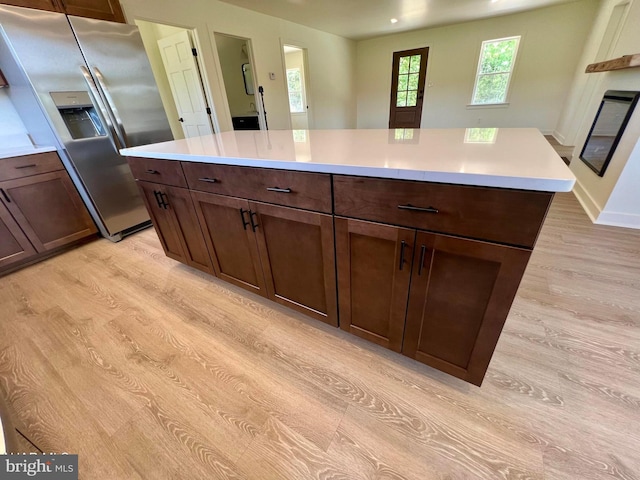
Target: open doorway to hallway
column 175, row 66
column 295, row 60
column 236, row 64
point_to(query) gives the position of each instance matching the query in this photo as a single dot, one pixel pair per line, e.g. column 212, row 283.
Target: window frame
column 302, row 92
column 479, row 74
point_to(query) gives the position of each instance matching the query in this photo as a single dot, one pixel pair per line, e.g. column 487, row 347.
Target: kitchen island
column 413, row 239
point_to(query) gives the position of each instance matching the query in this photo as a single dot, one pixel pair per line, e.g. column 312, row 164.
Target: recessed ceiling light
column 394, row 20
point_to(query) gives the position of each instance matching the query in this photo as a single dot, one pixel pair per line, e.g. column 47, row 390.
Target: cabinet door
column 48, row 209
column 298, row 259
column 14, row 245
column 374, row 269
column 461, row 293
column 50, row 5
column 227, row 226
column 101, row 9
column 174, row 218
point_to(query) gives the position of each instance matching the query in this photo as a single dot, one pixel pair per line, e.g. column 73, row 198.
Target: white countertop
column 19, row 151
column 496, row 157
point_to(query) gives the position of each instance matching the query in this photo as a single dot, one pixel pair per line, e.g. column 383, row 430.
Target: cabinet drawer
column 311, row 191
column 165, row 172
column 27, row 165
column 500, row 215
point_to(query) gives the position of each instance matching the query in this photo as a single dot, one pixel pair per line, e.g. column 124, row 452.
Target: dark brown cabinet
column 228, row 227
column 461, row 292
column 425, row 269
column 439, row 299
column 100, row 9
column 374, row 270
column 298, row 260
column 14, row 244
column 40, row 210
column 48, row 209
column 174, row 217
column 50, row 5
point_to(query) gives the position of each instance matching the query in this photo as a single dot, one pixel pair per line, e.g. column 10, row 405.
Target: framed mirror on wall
column 606, row 131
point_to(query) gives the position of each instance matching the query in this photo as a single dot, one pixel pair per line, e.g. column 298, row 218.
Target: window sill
column 473, row 106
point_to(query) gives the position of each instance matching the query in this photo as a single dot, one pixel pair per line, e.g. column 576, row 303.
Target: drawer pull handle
column 4, row 194
column 208, row 180
column 26, row 166
column 423, row 250
column 153, row 172
column 418, row 209
column 280, row 190
column 402, row 245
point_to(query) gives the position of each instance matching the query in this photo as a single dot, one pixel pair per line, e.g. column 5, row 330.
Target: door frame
column 204, row 80
column 257, row 99
column 394, row 80
column 307, row 78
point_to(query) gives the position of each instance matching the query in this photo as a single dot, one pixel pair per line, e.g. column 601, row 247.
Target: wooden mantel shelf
column 626, row 61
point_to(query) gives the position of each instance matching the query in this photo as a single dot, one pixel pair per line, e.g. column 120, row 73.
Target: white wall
column 151, row 33
column 231, row 56
column 551, row 44
column 13, row 133
column 331, row 58
column 616, row 195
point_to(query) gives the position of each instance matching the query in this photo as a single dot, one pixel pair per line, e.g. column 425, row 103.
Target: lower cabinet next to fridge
column 439, row 299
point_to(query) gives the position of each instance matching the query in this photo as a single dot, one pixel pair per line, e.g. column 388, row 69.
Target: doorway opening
column 409, row 72
column 175, row 65
column 236, row 64
column 295, row 61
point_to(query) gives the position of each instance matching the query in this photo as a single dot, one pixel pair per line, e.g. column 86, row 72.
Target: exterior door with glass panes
column 407, row 87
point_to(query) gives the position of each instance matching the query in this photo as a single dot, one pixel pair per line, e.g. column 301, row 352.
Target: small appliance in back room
column 94, row 84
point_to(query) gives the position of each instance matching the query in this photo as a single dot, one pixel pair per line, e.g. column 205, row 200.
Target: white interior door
column 184, row 80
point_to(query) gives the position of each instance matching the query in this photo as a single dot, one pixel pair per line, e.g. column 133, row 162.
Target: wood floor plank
column 150, row 369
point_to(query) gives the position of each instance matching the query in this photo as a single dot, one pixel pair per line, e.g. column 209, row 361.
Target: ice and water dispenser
column 78, row 114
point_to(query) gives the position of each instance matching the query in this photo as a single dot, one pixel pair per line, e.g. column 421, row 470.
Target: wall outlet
column 272, row 76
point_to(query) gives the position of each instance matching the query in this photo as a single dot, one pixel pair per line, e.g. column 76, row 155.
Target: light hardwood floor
column 149, row 369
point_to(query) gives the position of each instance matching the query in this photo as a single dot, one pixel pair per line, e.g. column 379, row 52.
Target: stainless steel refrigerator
column 92, row 83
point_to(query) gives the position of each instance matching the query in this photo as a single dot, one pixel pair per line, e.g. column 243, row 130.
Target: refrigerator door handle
column 98, row 101
column 118, row 126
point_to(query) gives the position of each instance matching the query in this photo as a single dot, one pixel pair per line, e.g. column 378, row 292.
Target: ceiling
column 360, row 19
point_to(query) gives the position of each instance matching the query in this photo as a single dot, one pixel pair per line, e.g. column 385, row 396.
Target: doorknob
column 181, row 119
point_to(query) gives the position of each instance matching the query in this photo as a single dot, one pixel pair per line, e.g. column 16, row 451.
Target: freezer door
column 118, row 62
column 44, row 47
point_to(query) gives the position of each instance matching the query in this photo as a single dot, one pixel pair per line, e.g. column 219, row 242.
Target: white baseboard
column 588, row 203
column 558, row 136
column 627, row 220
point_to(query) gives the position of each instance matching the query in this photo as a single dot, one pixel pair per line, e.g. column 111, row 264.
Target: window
column 495, row 67
column 408, row 76
column 296, row 91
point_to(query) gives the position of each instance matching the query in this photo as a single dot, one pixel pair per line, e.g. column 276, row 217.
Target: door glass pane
column 402, row 99
column 413, row 81
column 415, row 64
column 403, row 82
column 404, row 64
column 412, row 98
